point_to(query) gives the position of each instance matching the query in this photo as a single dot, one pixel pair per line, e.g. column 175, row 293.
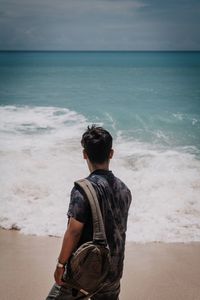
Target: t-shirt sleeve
column 78, row 206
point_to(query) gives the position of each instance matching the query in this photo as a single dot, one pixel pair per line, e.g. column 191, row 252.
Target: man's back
column 114, row 199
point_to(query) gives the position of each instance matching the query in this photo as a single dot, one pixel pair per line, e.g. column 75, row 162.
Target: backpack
column 88, row 266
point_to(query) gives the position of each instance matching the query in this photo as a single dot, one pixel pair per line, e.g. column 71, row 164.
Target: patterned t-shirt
column 114, row 200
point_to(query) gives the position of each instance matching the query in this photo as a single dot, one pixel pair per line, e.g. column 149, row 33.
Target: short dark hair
column 97, row 143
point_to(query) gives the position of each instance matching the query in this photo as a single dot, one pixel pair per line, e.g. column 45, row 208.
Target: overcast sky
column 100, row 25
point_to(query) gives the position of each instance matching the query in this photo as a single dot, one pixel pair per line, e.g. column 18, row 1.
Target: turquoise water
column 150, row 101
column 150, row 96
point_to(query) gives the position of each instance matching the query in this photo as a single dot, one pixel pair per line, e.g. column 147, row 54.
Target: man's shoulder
column 76, row 193
column 120, row 182
column 123, row 189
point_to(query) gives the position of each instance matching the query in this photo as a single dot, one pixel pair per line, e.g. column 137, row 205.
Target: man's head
column 97, row 144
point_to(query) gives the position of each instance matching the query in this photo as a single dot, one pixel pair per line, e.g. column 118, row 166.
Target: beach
column 149, row 102
column 163, row 271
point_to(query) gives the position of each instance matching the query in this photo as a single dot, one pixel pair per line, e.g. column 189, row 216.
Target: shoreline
column 153, row 271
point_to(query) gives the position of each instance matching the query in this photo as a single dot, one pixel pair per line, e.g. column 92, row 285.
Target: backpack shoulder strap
column 98, row 225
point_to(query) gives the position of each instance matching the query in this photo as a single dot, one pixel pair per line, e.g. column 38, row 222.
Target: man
column 114, row 198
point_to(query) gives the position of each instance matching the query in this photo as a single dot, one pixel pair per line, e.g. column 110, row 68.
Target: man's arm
column 70, row 241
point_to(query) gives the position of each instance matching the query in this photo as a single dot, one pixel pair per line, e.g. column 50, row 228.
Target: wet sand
column 153, row 271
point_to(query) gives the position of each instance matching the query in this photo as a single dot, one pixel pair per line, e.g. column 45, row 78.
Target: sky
column 100, row 25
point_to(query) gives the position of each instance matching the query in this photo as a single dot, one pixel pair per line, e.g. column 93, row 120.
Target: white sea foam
column 41, row 157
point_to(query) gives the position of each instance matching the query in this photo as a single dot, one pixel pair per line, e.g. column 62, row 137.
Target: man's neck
column 93, row 167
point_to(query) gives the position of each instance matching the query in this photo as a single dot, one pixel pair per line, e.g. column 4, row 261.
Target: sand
column 152, row 271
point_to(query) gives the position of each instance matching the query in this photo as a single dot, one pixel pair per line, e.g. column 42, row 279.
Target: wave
column 41, row 157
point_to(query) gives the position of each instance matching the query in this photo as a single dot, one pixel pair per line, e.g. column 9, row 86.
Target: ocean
column 150, row 101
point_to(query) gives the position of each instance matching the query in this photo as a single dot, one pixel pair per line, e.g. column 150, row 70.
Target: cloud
column 99, row 24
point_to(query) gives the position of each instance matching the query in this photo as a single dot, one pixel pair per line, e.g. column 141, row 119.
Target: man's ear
column 84, row 154
column 111, row 153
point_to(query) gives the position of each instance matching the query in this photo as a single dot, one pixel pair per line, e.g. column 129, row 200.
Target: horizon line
column 14, row 50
